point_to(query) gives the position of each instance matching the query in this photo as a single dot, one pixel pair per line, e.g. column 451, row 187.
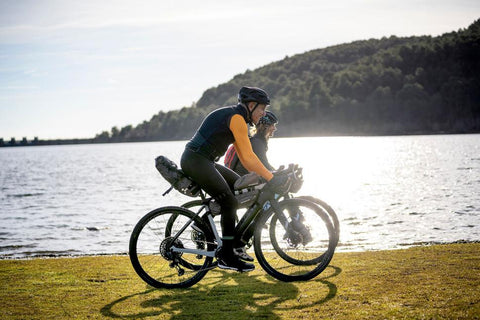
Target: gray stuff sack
column 178, row 180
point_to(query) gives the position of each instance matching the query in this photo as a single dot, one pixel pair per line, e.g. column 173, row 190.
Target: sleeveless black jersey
column 214, row 135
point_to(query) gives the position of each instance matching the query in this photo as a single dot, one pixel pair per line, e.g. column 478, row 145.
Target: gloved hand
column 279, row 183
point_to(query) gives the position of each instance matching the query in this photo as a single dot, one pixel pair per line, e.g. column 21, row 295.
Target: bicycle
column 331, row 213
column 174, row 247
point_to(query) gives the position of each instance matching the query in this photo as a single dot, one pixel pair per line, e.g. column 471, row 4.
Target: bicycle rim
column 291, row 256
column 151, row 246
column 331, row 214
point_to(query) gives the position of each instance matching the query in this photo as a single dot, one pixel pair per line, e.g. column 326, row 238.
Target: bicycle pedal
column 181, row 272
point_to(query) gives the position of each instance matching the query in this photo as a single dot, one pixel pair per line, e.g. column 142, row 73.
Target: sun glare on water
column 363, row 179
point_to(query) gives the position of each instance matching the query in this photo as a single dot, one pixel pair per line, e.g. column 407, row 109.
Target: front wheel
column 291, row 252
column 331, row 214
column 154, row 245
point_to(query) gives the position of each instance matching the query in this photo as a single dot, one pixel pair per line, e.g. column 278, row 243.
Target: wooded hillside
column 378, row 86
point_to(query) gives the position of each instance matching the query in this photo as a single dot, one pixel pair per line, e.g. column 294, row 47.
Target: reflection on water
column 391, row 191
column 387, row 191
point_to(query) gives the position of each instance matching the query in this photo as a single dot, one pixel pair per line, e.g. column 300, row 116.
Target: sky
column 72, row 69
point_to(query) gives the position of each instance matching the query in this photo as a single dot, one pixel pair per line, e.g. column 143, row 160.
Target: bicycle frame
column 198, row 251
column 243, row 227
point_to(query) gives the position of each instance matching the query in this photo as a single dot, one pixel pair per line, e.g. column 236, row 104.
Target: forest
column 388, row 86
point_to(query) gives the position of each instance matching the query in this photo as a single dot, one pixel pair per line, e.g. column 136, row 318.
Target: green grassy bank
column 434, row 282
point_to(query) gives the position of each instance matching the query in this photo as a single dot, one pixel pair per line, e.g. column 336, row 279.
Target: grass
column 434, row 282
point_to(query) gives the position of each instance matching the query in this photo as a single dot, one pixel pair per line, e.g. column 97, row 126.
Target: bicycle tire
column 317, row 253
column 193, row 203
column 150, row 249
column 284, row 254
column 331, row 213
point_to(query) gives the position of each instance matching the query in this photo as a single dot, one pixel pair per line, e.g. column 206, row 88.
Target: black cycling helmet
column 248, row 94
column 268, row 119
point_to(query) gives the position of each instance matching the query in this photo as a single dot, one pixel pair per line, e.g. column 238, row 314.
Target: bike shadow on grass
column 235, row 295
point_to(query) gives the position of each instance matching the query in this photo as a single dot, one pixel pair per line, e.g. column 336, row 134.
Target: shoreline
column 87, row 141
column 120, row 254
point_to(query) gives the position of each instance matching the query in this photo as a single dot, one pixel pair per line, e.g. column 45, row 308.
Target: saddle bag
column 177, row 179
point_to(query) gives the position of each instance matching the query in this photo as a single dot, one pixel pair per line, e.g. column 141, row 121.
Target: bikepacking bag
column 231, row 158
column 170, row 172
column 247, row 189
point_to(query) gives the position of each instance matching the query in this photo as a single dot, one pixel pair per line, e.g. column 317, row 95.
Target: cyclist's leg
column 204, row 172
column 229, row 175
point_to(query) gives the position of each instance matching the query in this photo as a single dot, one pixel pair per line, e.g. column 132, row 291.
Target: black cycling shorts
column 217, row 181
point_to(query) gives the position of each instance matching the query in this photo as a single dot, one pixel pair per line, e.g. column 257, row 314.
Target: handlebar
column 295, row 177
column 293, row 173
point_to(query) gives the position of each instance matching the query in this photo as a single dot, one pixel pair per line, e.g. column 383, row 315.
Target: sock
column 227, row 246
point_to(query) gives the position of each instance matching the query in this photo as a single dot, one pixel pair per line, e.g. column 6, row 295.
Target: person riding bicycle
column 265, row 129
column 218, row 130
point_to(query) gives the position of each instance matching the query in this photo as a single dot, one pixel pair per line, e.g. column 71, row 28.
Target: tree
column 390, row 86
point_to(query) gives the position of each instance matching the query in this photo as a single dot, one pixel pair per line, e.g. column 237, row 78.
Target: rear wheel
column 153, row 245
column 300, row 250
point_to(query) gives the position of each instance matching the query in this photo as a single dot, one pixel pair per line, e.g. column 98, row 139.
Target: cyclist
column 264, row 131
column 219, row 129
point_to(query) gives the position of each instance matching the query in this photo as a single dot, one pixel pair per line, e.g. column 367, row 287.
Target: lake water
column 388, row 192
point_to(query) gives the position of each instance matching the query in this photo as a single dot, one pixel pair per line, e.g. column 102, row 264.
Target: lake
column 388, row 192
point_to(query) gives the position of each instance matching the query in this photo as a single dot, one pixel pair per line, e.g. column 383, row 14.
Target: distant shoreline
column 33, row 143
